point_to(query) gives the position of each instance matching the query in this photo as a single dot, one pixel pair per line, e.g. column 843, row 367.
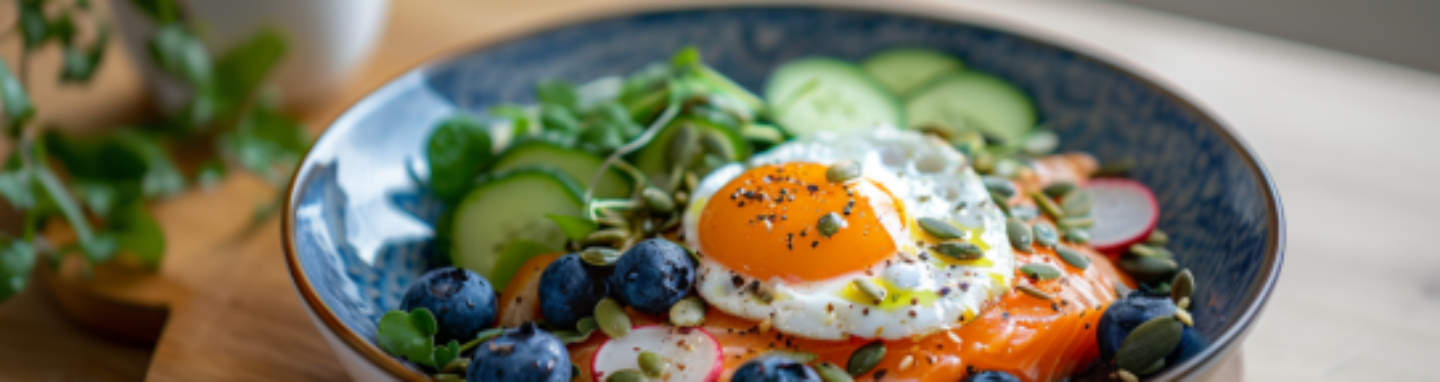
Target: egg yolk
column 766, row 223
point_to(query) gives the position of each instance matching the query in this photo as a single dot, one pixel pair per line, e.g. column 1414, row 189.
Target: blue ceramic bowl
column 357, row 232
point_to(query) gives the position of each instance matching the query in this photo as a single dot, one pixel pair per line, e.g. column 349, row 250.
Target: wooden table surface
column 1349, row 141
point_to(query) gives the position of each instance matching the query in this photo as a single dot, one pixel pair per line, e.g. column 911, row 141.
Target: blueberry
column 774, row 369
column 992, row 376
column 569, row 290
column 463, row 302
column 1127, row 313
column 525, row 353
column 653, row 275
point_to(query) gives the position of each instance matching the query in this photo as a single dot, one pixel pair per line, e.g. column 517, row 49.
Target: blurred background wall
column 1403, row 32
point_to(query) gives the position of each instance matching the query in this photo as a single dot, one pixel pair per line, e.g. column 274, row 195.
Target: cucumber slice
column 904, row 70
column 510, row 206
column 974, row 101
column 823, row 94
column 580, row 165
column 654, row 160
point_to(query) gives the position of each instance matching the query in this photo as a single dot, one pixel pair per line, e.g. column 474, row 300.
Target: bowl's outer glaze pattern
column 362, row 226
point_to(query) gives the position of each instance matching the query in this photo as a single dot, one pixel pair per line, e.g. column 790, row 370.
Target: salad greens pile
column 98, row 185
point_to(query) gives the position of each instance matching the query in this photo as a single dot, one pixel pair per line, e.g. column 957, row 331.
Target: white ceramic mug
column 326, row 41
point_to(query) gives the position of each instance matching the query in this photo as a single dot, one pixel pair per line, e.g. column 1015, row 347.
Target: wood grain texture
column 1347, row 139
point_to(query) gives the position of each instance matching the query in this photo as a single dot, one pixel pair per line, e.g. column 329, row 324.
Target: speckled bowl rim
column 1196, row 366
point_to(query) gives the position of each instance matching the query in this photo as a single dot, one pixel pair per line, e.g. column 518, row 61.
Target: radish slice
column 1125, row 212
column 692, row 353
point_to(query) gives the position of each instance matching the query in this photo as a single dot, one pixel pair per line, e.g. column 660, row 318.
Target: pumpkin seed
column 1076, row 222
column 959, row 250
column 1157, row 238
column 865, row 358
column 1024, row 213
column 1184, row 303
column 606, row 237
column 800, row 357
column 1183, row 285
column 570, row 337
column 600, row 256
column 652, row 365
column 1033, row 292
column 830, row 373
column 1184, row 317
column 1008, row 167
column 1126, row 376
column 941, row 229
column 1041, row 142
column 612, row 318
column 1045, row 234
column 587, row 325
column 627, row 375
column 1059, row 189
column 1077, row 235
column 1040, row 271
column 682, row 146
column 830, row 224
column 1154, row 367
column 1047, row 205
column 716, row 144
column 1077, row 202
column 1143, row 250
column 1163, row 252
column 1150, row 341
column 1148, row 269
column 1073, row 257
column 449, row 377
column 689, row 312
column 1001, row 202
column 1019, row 234
column 984, row 162
column 681, row 198
column 997, row 185
column 870, row 289
column 658, row 200
column 843, row 171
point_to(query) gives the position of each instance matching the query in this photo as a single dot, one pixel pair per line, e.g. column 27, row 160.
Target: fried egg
column 763, row 256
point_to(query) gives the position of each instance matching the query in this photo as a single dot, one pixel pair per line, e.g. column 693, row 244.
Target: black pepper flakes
column 737, row 281
column 880, row 374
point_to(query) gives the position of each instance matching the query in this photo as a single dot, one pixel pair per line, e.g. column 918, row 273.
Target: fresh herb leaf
column 558, row 118
column 34, row 28
column 266, row 141
column 162, row 177
column 687, row 59
column 17, row 188
column 558, row 93
column 405, row 335
column 79, row 65
column 137, row 233
column 18, row 107
column 445, row 354
column 163, row 11
column 575, row 228
column 181, row 54
column 458, row 149
column 62, row 28
column 17, row 258
column 242, row 69
column 210, row 173
column 517, row 116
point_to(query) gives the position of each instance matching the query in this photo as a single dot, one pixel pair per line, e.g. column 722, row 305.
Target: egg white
column 931, row 179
